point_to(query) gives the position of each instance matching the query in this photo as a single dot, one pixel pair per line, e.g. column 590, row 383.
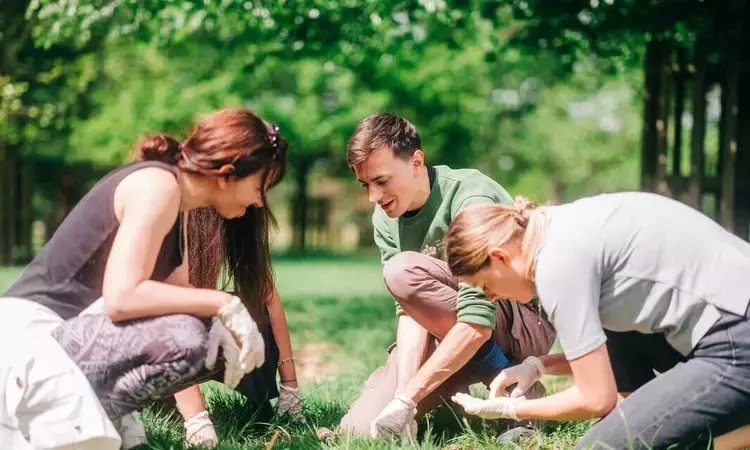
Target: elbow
column 115, row 309
column 602, row 404
column 477, row 334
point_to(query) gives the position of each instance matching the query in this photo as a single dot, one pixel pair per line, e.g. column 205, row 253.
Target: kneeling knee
column 399, row 274
column 190, row 337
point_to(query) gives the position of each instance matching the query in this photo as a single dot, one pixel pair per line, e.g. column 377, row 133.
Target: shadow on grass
column 323, row 257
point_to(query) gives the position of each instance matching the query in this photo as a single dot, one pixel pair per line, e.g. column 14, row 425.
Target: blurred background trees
column 545, row 97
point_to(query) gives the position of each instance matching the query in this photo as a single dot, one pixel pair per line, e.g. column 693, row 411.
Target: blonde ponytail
column 478, row 228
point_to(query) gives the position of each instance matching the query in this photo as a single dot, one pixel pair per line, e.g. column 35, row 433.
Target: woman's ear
column 223, row 179
column 499, row 254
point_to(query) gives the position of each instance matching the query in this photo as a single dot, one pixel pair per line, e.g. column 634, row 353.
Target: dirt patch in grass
column 314, row 362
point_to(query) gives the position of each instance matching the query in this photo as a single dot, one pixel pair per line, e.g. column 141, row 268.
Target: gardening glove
column 525, row 374
column 199, row 431
column 220, row 338
column 494, row 408
column 289, row 402
column 396, row 419
column 237, row 320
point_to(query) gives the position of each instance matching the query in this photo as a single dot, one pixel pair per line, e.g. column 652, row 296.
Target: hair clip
column 273, row 136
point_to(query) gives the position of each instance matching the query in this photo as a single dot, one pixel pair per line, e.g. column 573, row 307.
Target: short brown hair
column 382, row 130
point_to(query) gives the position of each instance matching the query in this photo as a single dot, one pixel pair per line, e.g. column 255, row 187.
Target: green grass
column 342, row 321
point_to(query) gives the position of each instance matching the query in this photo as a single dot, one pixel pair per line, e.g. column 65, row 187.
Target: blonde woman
column 633, row 283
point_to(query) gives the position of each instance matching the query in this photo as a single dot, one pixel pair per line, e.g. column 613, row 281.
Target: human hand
column 494, row 408
column 396, row 419
column 289, row 402
column 220, row 338
column 199, row 431
column 525, row 374
column 237, row 320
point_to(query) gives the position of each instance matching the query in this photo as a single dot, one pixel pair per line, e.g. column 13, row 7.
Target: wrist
column 408, row 401
column 535, row 364
column 227, row 303
column 291, row 383
column 199, row 420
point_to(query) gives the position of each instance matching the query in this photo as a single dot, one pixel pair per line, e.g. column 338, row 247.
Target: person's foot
column 131, row 430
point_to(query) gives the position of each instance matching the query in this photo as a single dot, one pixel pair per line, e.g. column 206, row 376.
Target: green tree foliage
column 487, row 83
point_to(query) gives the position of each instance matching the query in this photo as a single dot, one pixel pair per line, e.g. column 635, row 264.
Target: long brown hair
column 477, row 228
column 232, row 143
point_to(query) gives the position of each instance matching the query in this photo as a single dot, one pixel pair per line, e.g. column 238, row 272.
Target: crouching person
column 449, row 335
column 125, row 244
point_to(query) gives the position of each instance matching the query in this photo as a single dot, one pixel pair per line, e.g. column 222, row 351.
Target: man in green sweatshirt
column 449, row 334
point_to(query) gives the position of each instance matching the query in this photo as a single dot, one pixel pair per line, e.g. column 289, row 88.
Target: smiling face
column 233, row 196
column 390, row 181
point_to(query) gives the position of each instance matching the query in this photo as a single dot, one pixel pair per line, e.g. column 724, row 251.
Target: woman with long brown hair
column 212, row 250
column 124, row 246
column 634, row 283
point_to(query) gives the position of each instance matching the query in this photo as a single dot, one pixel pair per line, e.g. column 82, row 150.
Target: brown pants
column 427, row 292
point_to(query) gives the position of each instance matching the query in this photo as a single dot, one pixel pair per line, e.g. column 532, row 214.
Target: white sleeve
column 568, row 283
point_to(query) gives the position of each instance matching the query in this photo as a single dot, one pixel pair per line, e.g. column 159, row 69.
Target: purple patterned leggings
column 134, row 363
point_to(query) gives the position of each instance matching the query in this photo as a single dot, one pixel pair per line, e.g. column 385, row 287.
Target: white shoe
column 131, row 430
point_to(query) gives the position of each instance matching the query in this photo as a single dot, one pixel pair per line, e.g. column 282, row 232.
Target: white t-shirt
column 638, row 262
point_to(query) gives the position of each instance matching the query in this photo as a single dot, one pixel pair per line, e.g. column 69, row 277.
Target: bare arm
column 147, row 203
column 459, row 345
column 411, row 342
column 280, row 329
column 594, row 395
column 556, row 364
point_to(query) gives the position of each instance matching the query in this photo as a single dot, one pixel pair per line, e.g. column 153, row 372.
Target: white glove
column 396, row 419
column 237, row 320
column 494, row 408
column 199, row 431
column 525, row 374
column 289, row 402
column 220, row 337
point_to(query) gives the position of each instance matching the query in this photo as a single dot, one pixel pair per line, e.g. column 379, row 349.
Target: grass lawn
column 342, row 320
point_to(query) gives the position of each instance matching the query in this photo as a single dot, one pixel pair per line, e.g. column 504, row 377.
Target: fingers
column 464, row 400
column 498, row 385
column 520, row 390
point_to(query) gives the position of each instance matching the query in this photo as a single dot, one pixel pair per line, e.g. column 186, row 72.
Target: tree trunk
column 4, row 254
column 11, row 210
column 25, row 241
column 556, row 191
column 299, row 206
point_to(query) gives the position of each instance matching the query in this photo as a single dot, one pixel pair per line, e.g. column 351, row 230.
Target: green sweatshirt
column 451, row 191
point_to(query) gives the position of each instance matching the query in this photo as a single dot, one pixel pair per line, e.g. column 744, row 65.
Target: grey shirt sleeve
column 568, row 282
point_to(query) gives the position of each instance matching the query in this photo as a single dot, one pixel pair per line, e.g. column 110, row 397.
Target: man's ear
column 499, row 254
column 417, row 160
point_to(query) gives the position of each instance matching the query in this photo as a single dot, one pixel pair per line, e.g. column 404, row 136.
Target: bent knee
column 400, row 275
column 189, row 336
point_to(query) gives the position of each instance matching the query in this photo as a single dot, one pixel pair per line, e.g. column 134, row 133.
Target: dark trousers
column 693, row 400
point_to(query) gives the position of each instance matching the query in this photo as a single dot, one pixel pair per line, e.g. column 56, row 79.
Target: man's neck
column 423, row 190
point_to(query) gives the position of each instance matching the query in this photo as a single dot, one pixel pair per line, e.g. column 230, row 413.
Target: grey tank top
column 68, row 274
